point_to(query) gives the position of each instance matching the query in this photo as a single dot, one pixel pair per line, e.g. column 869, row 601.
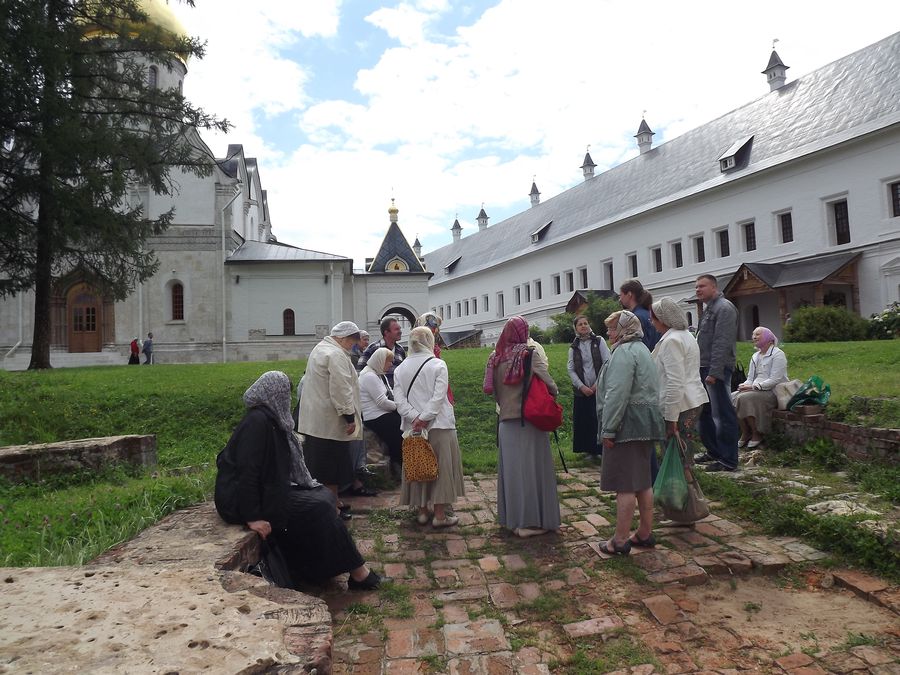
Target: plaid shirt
column 399, row 355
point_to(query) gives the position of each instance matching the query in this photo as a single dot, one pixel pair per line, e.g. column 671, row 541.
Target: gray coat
column 717, row 336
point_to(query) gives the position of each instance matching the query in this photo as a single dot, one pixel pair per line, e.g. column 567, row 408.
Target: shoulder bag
column 419, row 460
column 539, row 408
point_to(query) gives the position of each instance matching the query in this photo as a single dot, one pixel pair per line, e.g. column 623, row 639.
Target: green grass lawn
column 193, row 408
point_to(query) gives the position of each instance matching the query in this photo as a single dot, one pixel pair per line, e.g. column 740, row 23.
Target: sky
column 447, row 106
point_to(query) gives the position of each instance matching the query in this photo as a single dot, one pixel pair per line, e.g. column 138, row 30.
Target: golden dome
column 159, row 15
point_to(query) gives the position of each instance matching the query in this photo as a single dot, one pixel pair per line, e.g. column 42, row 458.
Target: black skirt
column 328, row 460
column 387, row 427
column 584, row 425
column 315, row 541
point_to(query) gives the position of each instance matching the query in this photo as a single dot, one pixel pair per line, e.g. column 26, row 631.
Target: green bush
column 597, row 311
column 825, row 324
column 538, row 334
column 885, row 325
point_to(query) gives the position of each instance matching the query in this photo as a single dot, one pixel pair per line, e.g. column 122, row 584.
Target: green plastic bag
column 671, row 489
column 813, row 392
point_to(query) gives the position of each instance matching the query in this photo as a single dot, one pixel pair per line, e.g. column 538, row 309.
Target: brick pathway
column 475, row 599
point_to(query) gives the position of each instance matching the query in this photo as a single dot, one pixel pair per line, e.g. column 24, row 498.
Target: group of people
column 280, row 474
column 137, row 348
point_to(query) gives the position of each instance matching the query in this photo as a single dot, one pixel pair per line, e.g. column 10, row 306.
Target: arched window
column 287, row 318
column 177, row 302
column 153, row 77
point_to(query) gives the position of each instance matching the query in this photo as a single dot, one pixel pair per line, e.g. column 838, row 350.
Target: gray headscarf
column 669, row 313
column 421, row 340
column 272, row 391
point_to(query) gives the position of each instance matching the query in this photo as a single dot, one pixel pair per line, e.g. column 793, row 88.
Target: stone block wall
column 858, row 442
column 34, row 462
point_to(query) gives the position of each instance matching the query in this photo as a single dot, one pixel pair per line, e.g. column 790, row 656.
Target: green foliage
column 616, row 654
column 825, row 324
column 597, row 311
column 562, row 330
column 885, row 325
column 538, row 334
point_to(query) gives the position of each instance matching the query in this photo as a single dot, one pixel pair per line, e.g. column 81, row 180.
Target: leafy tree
column 81, row 124
column 597, row 310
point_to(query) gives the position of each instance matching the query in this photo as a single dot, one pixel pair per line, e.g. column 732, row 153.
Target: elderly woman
column 330, row 414
column 379, row 410
column 420, row 389
column 263, row 482
column 587, row 354
column 630, row 424
column 755, row 399
column 527, row 501
column 432, row 322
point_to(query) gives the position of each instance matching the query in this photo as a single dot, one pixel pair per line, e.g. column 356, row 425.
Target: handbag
column 539, row 408
column 694, row 507
column 784, row 391
column 420, row 462
column 272, row 565
column 738, row 376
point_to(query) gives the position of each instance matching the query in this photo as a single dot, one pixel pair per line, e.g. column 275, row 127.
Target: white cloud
column 453, row 120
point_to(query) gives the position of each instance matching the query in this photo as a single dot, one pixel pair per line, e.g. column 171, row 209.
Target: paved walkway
column 712, row 598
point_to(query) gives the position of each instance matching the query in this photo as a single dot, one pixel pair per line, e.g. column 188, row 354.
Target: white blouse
column 373, row 395
column 767, row 369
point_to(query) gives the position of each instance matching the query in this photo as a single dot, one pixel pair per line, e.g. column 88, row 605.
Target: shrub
column 597, row 311
column 538, row 334
column 885, row 325
column 825, row 324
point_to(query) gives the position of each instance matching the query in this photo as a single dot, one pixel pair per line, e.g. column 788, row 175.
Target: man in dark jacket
column 717, row 337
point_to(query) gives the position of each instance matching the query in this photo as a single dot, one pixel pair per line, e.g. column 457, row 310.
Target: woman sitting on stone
column 263, row 483
column 754, row 401
column 379, row 411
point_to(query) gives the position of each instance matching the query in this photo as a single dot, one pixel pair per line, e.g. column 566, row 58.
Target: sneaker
column 370, row 583
column 754, row 444
column 743, row 443
column 716, row 467
column 703, row 458
column 448, row 521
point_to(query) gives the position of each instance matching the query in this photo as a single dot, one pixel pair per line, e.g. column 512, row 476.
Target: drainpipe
column 21, row 329
column 224, row 316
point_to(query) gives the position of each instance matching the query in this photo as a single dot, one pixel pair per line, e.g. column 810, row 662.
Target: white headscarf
column 421, row 341
column 377, row 360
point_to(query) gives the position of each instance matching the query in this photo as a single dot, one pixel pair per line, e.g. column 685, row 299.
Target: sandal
column 625, row 549
column 649, row 542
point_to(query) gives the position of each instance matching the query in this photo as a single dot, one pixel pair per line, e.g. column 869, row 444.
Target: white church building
column 792, row 199
column 226, row 289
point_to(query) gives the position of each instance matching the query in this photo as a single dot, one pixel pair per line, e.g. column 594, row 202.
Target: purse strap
column 526, row 383
column 409, row 388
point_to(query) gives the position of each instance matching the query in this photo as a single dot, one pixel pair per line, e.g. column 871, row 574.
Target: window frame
column 677, row 250
column 583, row 276
column 780, row 225
column 557, row 284
column 631, row 262
column 538, row 289
column 656, row 258
column 570, row 281
column 723, row 251
column 288, row 320
column 748, row 232
column 893, row 187
column 176, row 300
column 699, row 248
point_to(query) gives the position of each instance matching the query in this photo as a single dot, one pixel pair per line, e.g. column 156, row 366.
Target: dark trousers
column 719, row 429
column 387, row 427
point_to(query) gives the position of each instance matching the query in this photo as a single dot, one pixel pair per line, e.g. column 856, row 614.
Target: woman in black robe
column 263, row 483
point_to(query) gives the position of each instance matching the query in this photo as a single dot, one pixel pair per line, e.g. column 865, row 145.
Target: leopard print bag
column 419, row 460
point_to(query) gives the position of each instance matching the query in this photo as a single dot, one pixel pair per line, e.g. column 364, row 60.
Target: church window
column 474, row 305
column 517, row 294
column 894, row 190
column 484, row 303
column 677, row 255
column 177, row 302
column 153, row 77
column 786, row 223
column 699, row 249
column 557, row 289
column 841, row 222
column 724, row 243
column 287, row 319
column 608, row 274
column 749, row 236
column 458, row 309
column 570, row 281
column 632, row 266
column 656, row 252
column 538, row 291
column 527, row 292
column 501, row 310
column 467, row 307
column 583, row 277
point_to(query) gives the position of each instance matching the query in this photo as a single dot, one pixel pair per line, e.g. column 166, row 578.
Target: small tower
column 776, row 71
column 644, row 137
column 534, row 194
column 456, row 230
column 417, row 248
column 393, row 211
column 588, row 166
column 482, row 219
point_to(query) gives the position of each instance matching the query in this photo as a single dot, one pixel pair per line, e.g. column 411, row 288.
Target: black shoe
column 703, row 458
column 346, row 516
column 364, row 472
column 370, row 583
column 716, row 467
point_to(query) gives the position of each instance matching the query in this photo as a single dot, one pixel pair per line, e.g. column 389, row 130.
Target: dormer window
column 448, row 268
column 735, row 155
column 539, row 233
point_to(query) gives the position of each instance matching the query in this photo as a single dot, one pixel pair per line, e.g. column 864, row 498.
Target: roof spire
column 644, row 135
column 776, row 71
column 587, row 167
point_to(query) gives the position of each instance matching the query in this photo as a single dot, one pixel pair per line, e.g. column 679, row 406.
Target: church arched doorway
column 84, row 314
column 406, row 318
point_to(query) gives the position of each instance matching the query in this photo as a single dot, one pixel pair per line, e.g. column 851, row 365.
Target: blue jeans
column 719, row 429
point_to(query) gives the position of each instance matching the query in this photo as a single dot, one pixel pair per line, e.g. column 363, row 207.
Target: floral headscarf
column 272, row 391
column 430, row 320
column 766, row 339
column 376, row 361
column 627, row 325
column 512, row 346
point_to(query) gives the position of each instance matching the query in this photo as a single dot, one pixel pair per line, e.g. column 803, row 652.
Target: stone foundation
column 858, row 442
column 33, row 462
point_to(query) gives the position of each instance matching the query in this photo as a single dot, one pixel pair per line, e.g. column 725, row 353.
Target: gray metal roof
column 796, row 272
column 853, row 96
column 395, row 245
column 261, row 252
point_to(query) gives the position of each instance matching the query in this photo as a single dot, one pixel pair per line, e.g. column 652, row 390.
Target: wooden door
column 84, row 317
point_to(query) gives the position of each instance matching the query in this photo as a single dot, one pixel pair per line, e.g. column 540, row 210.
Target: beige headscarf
column 669, row 313
column 376, row 361
column 627, row 325
column 421, row 341
column 430, row 320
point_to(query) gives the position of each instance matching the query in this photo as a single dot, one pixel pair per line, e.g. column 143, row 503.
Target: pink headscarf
column 766, row 338
column 510, row 347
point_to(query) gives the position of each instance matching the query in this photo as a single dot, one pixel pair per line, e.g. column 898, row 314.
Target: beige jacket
column 509, row 397
column 677, row 359
column 330, row 390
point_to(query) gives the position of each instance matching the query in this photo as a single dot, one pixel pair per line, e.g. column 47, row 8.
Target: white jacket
column 330, row 390
column 677, row 359
column 373, row 395
column 767, row 369
column 427, row 399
